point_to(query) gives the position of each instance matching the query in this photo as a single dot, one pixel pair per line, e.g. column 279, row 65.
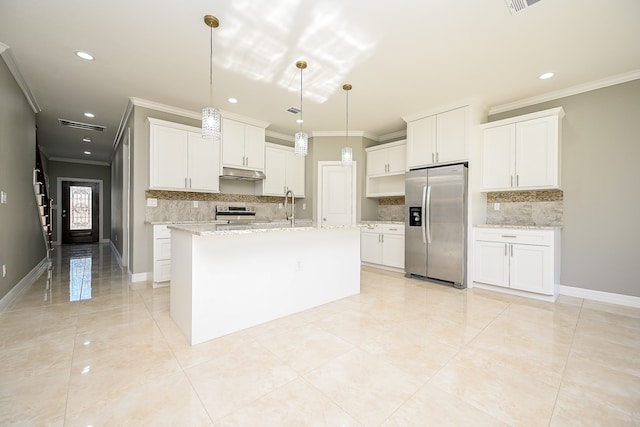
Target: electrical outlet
column 304, row 206
column 195, row 203
column 4, row 270
column 3, row 197
column 279, row 205
column 152, row 203
column 496, row 206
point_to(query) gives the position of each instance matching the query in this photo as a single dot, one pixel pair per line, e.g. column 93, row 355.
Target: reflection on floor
column 93, row 349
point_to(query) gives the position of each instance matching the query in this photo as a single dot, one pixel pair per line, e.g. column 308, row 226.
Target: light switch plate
column 3, row 197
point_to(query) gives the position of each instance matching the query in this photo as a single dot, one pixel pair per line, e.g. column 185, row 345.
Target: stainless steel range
column 235, row 214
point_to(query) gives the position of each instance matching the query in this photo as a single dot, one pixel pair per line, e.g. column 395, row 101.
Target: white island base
column 223, row 282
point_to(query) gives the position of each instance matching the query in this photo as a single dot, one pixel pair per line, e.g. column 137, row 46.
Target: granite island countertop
column 520, row 227
column 251, row 228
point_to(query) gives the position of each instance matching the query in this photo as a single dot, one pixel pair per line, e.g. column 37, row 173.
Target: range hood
column 242, row 174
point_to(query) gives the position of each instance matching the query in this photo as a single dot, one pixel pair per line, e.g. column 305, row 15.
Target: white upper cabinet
column 386, row 165
column 243, row 145
column 438, row 139
column 284, row 171
column 180, row 159
column 522, row 153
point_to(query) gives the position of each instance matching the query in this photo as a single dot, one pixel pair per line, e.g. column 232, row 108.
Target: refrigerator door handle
column 428, row 214
column 423, row 219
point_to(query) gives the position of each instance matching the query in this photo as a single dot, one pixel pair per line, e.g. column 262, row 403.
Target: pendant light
column 347, row 153
column 211, row 115
column 301, row 138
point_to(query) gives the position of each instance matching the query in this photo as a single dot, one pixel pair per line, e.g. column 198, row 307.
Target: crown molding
column 5, row 52
column 401, row 134
column 563, row 93
column 138, row 102
column 87, row 162
column 342, row 133
column 280, row 136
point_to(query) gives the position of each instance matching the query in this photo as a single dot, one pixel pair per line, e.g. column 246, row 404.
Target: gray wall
column 116, row 232
column 329, row 148
column 81, row 171
column 21, row 243
column 600, row 179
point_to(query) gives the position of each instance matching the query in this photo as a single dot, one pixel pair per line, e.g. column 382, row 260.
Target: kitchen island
column 226, row 278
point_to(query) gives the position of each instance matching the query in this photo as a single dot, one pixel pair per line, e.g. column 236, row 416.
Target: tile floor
column 96, row 350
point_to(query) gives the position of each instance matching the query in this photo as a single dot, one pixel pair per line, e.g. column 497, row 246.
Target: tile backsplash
column 391, row 209
column 539, row 208
column 179, row 206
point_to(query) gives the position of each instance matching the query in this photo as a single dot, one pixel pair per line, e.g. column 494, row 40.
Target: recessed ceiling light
column 299, row 121
column 86, row 139
column 233, row 100
column 84, row 55
column 546, row 76
column 87, row 152
column 90, row 115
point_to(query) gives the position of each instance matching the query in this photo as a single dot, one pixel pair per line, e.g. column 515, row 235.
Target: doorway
column 80, row 212
column 337, row 194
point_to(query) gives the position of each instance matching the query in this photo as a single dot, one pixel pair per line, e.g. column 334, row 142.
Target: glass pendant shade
column 301, row 143
column 347, row 156
column 211, row 123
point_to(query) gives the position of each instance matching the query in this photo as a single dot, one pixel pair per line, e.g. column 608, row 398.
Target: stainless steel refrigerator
column 436, row 224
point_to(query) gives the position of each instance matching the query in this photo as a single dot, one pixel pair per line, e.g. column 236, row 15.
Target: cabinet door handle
column 509, row 236
column 437, row 159
column 511, row 251
column 189, row 182
column 505, row 249
column 517, row 180
column 433, row 158
column 185, row 182
column 511, row 181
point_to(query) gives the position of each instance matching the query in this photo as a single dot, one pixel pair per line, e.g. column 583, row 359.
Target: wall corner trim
column 608, row 297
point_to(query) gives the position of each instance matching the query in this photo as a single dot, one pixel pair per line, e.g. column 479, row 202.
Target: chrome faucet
column 293, row 206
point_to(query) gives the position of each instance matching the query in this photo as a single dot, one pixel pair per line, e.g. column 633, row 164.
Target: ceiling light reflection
column 325, row 38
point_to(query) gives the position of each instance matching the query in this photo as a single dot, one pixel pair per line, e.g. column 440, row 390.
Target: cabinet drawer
column 393, row 228
column 162, row 249
column 162, row 271
column 161, row 232
column 510, row 235
column 372, row 228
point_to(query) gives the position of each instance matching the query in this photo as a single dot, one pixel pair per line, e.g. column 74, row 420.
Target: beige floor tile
column 168, row 400
column 353, row 326
column 295, row 404
column 365, row 386
column 234, row 379
column 507, row 392
column 307, row 347
column 612, row 308
column 415, row 354
column 431, row 406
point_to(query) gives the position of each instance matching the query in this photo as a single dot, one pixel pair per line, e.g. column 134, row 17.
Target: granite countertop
column 250, row 228
column 213, row 221
column 521, row 227
column 365, row 222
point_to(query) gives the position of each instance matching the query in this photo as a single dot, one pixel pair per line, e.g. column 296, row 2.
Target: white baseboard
column 23, row 285
column 116, row 253
column 601, row 296
column 541, row 297
column 139, row 277
column 382, row 267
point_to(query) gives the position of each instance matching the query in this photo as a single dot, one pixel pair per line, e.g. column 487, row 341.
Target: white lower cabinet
column 161, row 256
column 520, row 259
column 383, row 244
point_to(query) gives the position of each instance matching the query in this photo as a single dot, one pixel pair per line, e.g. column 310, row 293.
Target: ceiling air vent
column 516, row 6
column 79, row 125
column 293, row 110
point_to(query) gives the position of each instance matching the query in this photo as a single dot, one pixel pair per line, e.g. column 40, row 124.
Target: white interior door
column 337, row 193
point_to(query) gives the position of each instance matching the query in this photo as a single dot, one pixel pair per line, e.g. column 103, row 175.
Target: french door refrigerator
column 436, row 224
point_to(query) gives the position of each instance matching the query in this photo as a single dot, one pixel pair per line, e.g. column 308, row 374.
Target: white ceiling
column 402, row 58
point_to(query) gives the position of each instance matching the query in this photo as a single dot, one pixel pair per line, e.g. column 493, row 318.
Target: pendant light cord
column 347, row 128
column 301, row 121
column 210, row 65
